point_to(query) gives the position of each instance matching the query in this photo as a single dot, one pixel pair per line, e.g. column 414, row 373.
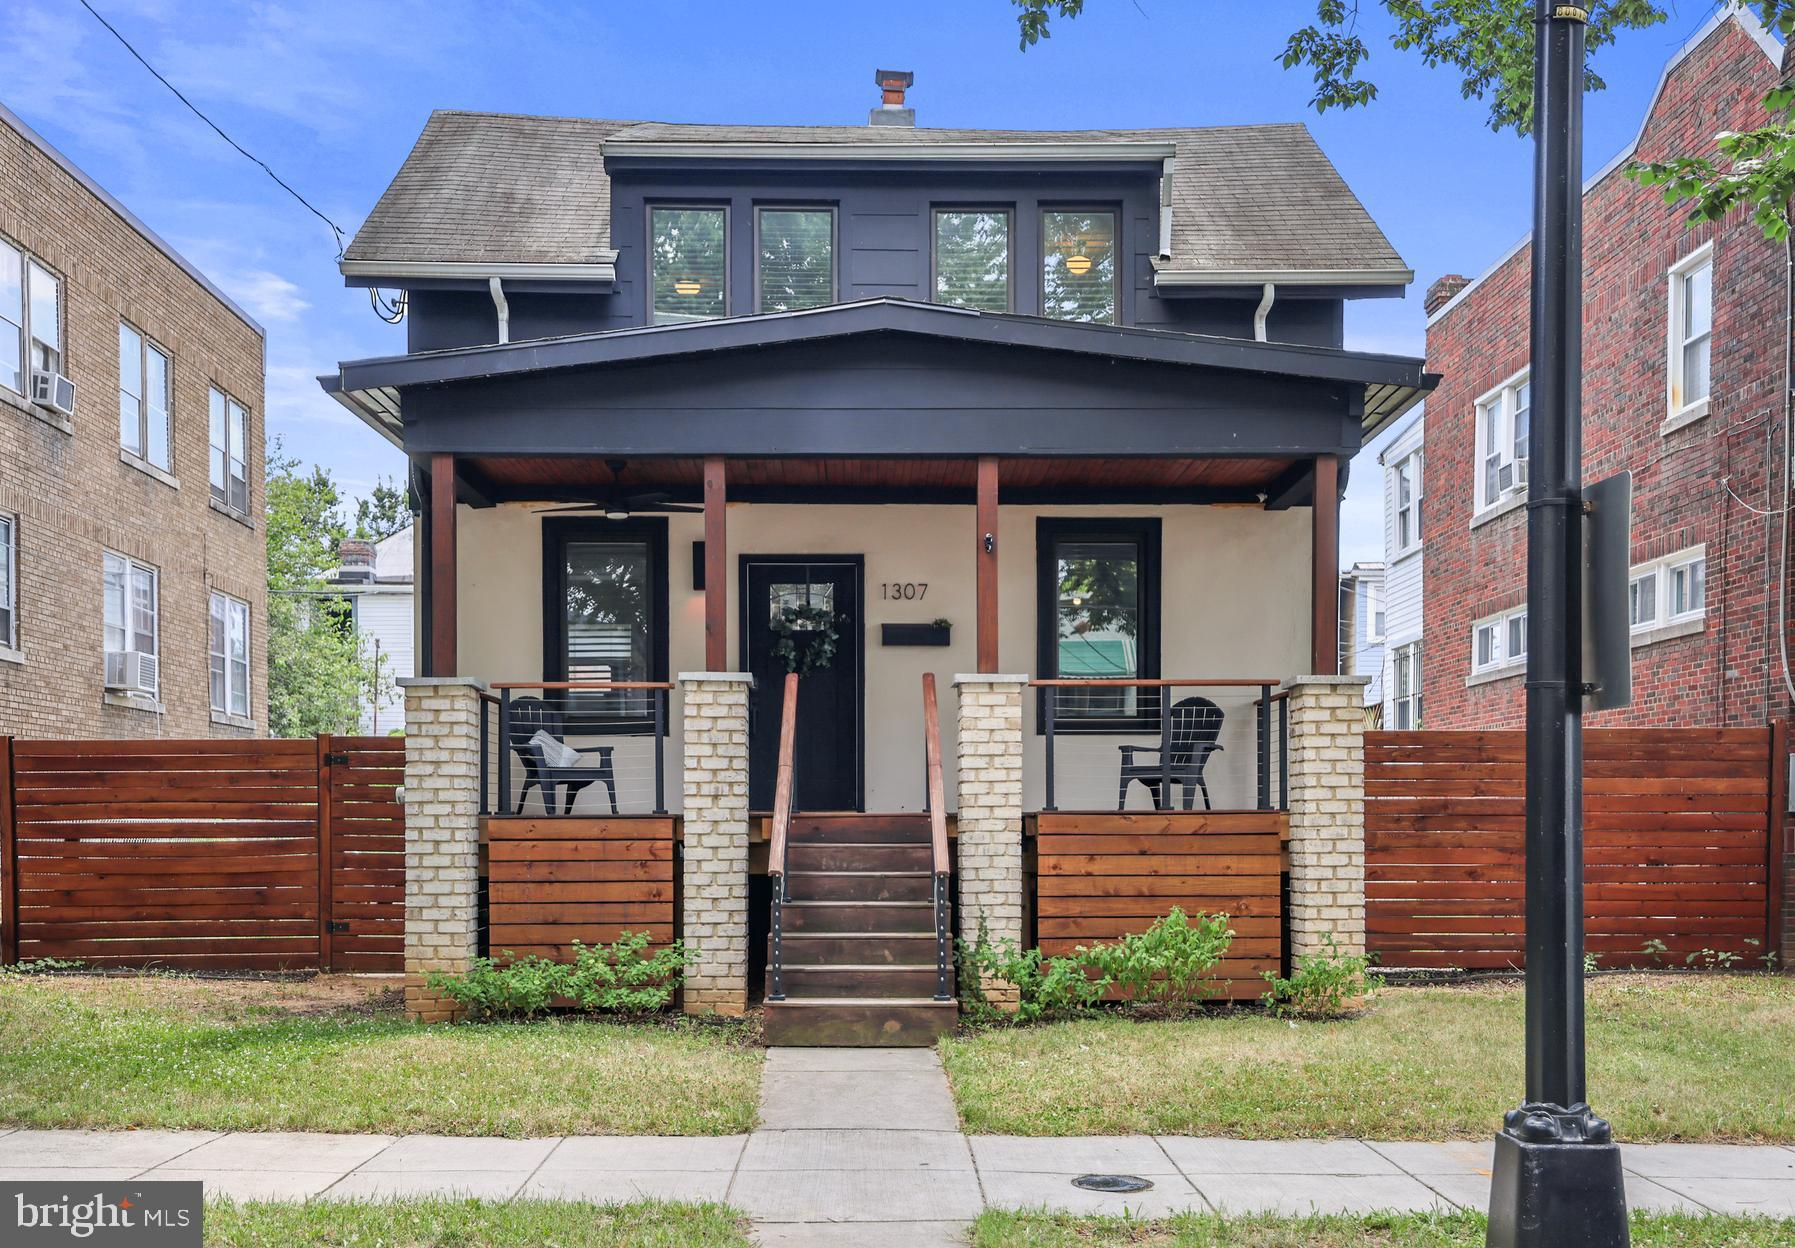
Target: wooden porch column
column 1324, row 634
column 445, row 657
column 986, row 555
column 716, row 568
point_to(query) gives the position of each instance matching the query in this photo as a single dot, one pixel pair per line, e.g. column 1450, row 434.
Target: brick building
column 132, row 569
column 1684, row 333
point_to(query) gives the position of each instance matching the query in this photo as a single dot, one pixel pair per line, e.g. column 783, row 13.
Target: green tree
column 318, row 676
column 1489, row 43
column 383, row 513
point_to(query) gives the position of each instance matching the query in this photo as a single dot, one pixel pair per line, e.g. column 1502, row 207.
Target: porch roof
column 1385, row 386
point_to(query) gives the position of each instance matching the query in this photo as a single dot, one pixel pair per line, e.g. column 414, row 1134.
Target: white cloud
column 268, row 296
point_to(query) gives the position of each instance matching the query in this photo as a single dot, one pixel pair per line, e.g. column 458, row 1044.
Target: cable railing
column 784, row 787
column 1190, row 743
column 580, row 748
column 936, row 801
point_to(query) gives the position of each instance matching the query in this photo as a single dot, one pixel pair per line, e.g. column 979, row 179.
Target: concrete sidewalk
column 869, row 1137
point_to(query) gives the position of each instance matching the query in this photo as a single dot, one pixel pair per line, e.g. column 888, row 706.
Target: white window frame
column 1374, row 607
column 229, row 610
column 1664, row 623
column 1503, row 656
column 1405, row 658
column 9, row 582
column 29, row 267
column 1505, row 399
column 146, row 347
column 1679, row 413
column 223, row 468
column 132, row 568
column 1410, row 465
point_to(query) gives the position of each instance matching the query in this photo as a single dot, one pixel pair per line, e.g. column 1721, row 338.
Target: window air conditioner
column 53, row 390
column 131, row 671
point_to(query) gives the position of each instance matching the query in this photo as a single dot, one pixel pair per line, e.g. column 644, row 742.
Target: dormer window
column 1078, row 272
column 972, row 258
column 689, row 263
column 794, row 258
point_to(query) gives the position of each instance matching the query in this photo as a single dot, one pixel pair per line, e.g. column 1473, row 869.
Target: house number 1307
column 907, row 591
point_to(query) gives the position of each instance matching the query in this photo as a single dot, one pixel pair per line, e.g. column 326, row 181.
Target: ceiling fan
column 620, row 504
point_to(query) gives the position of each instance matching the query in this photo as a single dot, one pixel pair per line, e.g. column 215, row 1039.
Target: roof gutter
column 603, row 269
column 1107, row 152
column 1174, row 278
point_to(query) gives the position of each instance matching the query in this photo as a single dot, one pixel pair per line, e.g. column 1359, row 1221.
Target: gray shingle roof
column 504, row 188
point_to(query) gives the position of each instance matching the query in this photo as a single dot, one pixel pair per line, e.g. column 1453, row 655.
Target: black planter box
column 916, row 634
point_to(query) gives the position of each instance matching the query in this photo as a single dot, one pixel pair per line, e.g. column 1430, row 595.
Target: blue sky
column 332, row 94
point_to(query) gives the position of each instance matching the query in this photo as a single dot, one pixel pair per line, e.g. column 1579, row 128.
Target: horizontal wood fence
column 551, row 882
column 208, row 854
column 1682, row 832
column 1100, row 876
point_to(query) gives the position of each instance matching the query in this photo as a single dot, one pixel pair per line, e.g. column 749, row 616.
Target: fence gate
column 203, row 855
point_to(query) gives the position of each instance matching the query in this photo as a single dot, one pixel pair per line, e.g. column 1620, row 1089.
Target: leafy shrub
column 1169, row 964
column 1321, row 984
column 623, row 977
column 1045, row 987
column 520, row 989
column 43, row 966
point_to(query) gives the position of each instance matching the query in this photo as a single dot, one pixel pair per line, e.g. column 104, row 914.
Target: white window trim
column 1504, row 664
column 1401, row 652
column 1678, row 415
column 212, row 452
column 1485, row 508
column 146, row 344
column 1412, row 462
column 224, row 714
column 22, row 397
column 10, row 650
column 1664, row 626
column 1374, row 606
column 129, row 698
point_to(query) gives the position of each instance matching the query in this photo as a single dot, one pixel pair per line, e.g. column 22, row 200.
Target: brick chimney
column 1442, row 291
column 355, row 559
column 892, row 84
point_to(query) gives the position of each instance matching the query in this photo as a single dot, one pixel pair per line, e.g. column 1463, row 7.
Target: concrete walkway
column 869, row 1138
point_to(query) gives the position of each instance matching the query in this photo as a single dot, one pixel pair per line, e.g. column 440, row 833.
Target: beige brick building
column 132, row 567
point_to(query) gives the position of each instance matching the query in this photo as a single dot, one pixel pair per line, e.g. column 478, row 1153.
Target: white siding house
column 1362, row 626
column 1401, row 677
column 377, row 580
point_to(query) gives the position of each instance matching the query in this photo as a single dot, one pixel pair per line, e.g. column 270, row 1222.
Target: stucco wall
column 1235, row 602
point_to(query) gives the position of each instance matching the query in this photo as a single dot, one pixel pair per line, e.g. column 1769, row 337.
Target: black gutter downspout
column 1557, row 1178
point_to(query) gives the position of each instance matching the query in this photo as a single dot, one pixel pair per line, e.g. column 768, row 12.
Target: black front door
column 803, row 614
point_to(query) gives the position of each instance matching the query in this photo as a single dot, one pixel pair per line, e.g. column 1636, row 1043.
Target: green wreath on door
column 806, row 638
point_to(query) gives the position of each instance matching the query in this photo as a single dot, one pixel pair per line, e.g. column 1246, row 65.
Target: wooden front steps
column 859, row 936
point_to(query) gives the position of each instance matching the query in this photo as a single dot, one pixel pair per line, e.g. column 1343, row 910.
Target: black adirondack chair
column 532, row 715
column 1196, row 723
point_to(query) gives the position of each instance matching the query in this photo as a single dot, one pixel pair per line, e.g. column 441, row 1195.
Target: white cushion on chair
column 555, row 753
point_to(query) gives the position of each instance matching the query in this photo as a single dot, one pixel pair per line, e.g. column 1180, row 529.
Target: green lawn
column 336, row 1054
column 1670, row 1058
column 471, row 1224
column 1026, row 1230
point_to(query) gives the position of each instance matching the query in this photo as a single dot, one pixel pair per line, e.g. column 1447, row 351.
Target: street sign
column 1607, row 567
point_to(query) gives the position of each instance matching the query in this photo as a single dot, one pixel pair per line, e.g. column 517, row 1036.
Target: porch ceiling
column 557, row 478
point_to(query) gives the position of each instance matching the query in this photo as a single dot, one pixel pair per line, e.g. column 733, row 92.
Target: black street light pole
column 1557, row 1178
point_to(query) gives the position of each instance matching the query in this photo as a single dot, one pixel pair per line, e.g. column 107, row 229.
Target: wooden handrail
column 583, row 684
column 1217, row 682
column 931, row 730
column 782, row 784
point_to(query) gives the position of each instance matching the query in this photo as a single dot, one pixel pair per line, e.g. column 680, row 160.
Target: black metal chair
column 1196, row 724
column 532, row 715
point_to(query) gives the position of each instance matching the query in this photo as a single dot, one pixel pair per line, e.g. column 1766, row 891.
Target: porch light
column 616, row 511
column 1078, row 265
column 691, row 286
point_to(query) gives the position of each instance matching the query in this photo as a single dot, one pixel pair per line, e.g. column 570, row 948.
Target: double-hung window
column 1669, row 591
column 1691, row 334
column 9, row 582
column 1504, row 419
column 227, row 655
column 688, row 261
column 972, row 258
column 144, row 396
column 131, row 624
column 30, row 319
column 1078, row 266
column 1406, row 682
column 794, row 258
column 1499, row 641
column 1405, row 488
column 228, row 421
column 1098, row 608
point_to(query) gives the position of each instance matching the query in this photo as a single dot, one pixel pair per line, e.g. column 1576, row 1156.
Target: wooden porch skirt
column 551, row 882
column 1104, row 875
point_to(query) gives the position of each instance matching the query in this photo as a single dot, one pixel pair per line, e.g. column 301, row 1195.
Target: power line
column 246, row 153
